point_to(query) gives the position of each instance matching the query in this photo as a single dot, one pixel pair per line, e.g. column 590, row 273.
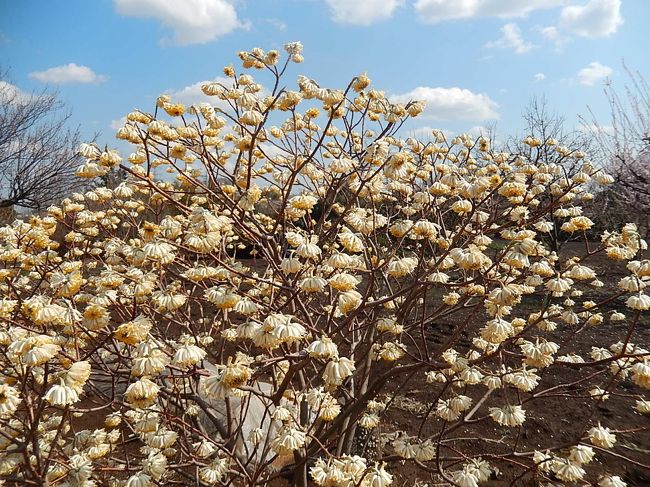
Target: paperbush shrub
column 138, row 347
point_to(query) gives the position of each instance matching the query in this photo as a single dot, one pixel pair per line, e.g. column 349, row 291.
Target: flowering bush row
column 137, row 347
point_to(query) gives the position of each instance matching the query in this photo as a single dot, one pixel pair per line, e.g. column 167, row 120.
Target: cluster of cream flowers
column 271, row 265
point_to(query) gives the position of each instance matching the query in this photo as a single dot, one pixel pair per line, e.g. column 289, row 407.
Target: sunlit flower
column 324, row 348
column 61, row 395
column 9, row 401
column 214, row 472
column 142, row 393
column 337, row 370
column 139, row 479
column 348, row 301
column 463, row 478
column 377, row 477
column 581, row 454
column 188, row 355
column 611, row 481
column 133, row 332
column 508, row 415
column 639, row 302
column 643, row 406
column 601, row 436
column 288, row 440
column 567, row 470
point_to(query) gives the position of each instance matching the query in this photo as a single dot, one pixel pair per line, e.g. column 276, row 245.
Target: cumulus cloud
column 550, row 32
column 597, row 129
column 68, row 73
column 277, row 23
column 440, row 10
column 192, row 21
column 597, row 18
column 478, row 131
column 426, row 132
column 592, row 18
column 12, row 94
column 554, row 35
column 539, row 77
column 451, row 103
column 511, row 39
column 593, row 73
column 118, row 123
column 192, row 94
column 364, row 12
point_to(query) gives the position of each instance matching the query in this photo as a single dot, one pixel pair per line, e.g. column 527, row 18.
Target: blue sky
column 475, row 62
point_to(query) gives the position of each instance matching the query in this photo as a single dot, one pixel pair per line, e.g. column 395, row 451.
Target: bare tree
column 546, row 140
column 624, row 147
column 37, row 149
column 541, row 123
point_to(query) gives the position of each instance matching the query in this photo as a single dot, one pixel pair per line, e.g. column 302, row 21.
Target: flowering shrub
column 138, row 347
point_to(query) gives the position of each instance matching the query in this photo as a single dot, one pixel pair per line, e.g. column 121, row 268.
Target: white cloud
column 596, row 129
column 593, row 73
column 440, row 10
column 364, row 12
column 193, row 21
column 487, row 132
column 12, row 94
column 426, row 132
column 277, row 23
column 550, row 32
column 272, row 150
column 511, row 39
column 118, row 123
column 68, row 73
column 597, row 18
column 478, row 131
column 539, row 77
column 554, row 35
column 193, row 95
column 451, row 103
